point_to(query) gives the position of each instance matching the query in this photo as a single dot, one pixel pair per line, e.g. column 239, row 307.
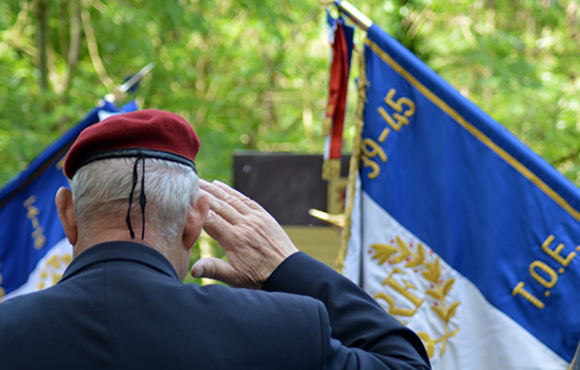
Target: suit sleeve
column 361, row 334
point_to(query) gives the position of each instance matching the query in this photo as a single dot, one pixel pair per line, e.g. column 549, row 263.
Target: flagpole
column 119, row 92
column 353, row 13
column 133, row 80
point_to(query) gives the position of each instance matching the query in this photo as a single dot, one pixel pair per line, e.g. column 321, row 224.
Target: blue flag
column 33, row 249
column 460, row 230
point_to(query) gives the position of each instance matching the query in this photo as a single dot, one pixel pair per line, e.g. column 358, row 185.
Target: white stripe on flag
column 479, row 336
column 48, row 270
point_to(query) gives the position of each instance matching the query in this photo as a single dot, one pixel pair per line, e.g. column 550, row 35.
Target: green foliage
column 246, row 74
column 252, row 75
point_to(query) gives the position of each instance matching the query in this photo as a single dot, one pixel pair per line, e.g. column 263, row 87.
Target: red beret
column 146, row 133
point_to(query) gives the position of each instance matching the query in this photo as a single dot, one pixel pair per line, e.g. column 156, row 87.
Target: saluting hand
column 254, row 242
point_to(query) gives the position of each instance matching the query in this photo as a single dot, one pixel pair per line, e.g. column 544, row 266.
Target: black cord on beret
column 128, row 218
column 142, row 198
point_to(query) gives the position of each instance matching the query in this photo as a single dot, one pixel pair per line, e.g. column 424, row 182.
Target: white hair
column 102, row 188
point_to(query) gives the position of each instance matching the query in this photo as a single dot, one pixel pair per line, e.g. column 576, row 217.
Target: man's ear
column 195, row 220
column 67, row 215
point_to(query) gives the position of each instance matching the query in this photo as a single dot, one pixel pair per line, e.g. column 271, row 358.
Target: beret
column 147, row 133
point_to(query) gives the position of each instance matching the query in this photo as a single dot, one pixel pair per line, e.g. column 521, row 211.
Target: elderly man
column 132, row 217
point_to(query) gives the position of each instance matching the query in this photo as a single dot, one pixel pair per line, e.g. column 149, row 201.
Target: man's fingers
column 238, row 200
column 225, row 210
column 248, row 202
column 216, row 226
column 233, row 197
column 236, row 194
column 222, row 208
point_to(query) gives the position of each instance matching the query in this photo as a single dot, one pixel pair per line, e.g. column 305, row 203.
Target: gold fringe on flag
column 331, row 169
column 354, row 161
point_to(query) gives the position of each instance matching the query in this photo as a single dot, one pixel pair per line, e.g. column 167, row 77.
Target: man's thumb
column 215, row 268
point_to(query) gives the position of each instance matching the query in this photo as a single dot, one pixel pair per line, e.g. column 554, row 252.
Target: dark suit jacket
column 120, row 305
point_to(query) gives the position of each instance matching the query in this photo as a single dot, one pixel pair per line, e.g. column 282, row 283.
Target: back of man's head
column 101, row 190
column 136, row 169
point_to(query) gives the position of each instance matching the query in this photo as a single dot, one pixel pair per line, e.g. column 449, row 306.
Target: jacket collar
column 120, row 251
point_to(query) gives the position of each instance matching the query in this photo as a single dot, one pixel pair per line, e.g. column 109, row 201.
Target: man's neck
column 176, row 255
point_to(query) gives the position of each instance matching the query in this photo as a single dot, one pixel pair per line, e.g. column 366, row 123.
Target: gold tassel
column 354, row 161
column 331, row 169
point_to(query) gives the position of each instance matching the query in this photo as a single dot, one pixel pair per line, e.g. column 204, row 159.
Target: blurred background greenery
column 252, row 74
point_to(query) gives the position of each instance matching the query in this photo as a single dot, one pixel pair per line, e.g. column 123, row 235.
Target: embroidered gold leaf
column 413, row 263
column 383, row 252
column 433, row 271
column 437, row 269
column 428, row 342
column 432, row 293
column 438, row 312
column 398, row 259
column 421, row 252
column 451, row 311
column 404, row 249
column 447, row 286
column 430, row 274
column 424, row 336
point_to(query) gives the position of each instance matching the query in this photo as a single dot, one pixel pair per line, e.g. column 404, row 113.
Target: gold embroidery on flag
column 547, row 271
column 555, row 253
column 32, row 212
column 430, row 269
column 52, row 270
column 375, row 150
column 60, row 164
column 384, row 135
column 397, row 120
column 519, row 289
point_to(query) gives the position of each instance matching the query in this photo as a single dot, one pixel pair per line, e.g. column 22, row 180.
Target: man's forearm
column 357, row 321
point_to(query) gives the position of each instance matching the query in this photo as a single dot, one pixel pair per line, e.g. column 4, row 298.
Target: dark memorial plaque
column 286, row 185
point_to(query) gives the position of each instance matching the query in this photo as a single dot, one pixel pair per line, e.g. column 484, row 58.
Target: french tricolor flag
column 458, row 229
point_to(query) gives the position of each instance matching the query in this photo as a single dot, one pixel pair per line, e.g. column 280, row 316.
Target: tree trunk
column 75, row 40
column 41, row 13
column 62, row 27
